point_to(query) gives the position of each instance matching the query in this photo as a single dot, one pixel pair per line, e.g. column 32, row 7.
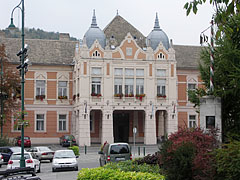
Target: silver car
column 42, row 153
column 64, row 160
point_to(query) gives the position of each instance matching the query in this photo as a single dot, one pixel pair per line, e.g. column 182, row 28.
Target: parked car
column 8, row 151
column 27, row 141
column 67, row 140
column 64, row 160
column 30, row 160
column 114, row 152
column 1, row 160
column 42, row 153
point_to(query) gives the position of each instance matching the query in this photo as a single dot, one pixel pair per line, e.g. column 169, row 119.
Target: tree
column 10, row 86
column 226, row 61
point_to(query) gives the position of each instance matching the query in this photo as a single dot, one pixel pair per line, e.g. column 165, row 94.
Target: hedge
column 105, row 173
column 75, row 150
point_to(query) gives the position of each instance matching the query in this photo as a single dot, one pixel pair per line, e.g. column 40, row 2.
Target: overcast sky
column 74, row 16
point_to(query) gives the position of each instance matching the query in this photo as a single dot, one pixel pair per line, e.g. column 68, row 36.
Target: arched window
column 161, row 56
column 96, row 54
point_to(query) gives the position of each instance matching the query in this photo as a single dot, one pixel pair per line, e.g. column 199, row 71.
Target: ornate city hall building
column 112, row 81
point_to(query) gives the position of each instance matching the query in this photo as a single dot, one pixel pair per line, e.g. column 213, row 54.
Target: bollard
column 85, row 149
column 144, row 151
column 139, row 151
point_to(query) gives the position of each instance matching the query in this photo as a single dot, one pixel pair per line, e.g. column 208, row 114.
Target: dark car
column 67, row 140
column 7, row 152
column 27, row 141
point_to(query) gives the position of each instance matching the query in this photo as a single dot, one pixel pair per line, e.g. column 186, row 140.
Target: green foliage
column 133, row 166
column 75, row 150
column 151, row 159
column 228, row 161
column 185, row 155
column 195, row 95
column 5, row 141
column 34, row 34
column 105, row 173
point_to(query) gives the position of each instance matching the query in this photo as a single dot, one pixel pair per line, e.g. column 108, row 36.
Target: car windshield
column 69, row 137
column 18, row 156
column 26, row 138
column 119, row 149
column 44, row 149
column 64, row 154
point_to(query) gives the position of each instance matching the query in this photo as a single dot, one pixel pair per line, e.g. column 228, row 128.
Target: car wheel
column 34, row 171
column 39, row 169
column 53, row 170
column 76, row 169
column 0, row 165
column 50, row 160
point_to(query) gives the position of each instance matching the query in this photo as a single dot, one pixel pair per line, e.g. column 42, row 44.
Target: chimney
column 64, row 37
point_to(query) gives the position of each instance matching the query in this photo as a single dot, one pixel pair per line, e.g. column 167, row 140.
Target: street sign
column 134, row 130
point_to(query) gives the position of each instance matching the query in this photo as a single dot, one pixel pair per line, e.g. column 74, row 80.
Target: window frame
column 191, row 121
column 96, row 86
column 44, row 122
column 62, row 89
column 41, row 88
column 160, row 88
column 58, row 121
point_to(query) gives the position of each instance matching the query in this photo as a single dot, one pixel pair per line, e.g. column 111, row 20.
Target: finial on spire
column 156, row 25
column 94, row 20
column 117, row 12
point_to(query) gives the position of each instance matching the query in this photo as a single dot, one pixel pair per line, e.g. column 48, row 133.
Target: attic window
column 135, row 37
column 96, row 54
column 161, row 56
column 112, row 36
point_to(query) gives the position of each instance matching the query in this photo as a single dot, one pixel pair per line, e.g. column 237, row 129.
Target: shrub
column 133, row 166
column 5, row 141
column 149, row 159
column 105, row 173
column 185, row 155
column 228, row 161
column 75, row 150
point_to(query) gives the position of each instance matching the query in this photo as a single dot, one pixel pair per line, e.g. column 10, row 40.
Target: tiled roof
column 117, row 30
column 55, row 52
column 187, row 57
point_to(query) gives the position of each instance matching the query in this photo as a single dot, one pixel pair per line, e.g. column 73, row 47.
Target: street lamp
column 22, row 55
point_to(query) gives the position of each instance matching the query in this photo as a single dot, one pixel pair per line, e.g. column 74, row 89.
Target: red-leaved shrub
column 186, row 155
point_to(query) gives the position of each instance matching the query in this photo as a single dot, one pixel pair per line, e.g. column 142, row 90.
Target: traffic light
column 24, row 65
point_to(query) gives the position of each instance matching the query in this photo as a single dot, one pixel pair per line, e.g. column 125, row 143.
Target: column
column 84, row 126
column 150, row 128
column 160, row 125
column 107, row 126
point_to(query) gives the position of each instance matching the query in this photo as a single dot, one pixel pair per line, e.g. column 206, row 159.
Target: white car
column 14, row 161
column 42, row 153
column 1, row 160
column 64, row 159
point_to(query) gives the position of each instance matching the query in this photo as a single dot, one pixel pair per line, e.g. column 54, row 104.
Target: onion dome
column 94, row 33
column 156, row 36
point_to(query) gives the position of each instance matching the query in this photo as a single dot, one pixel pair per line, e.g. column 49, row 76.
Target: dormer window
column 96, row 54
column 161, row 56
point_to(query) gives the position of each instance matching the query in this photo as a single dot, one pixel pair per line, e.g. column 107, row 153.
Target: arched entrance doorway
column 121, row 126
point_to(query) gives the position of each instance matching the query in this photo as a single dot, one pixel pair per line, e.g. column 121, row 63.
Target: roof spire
column 117, row 12
column 156, row 25
column 94, row 21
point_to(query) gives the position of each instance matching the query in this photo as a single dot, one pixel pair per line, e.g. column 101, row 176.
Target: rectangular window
column 192, row 121
column 139, row 86
column 40, row 122
column 96, row 71
column 16, row 125
column 96, row 86
column 129, row 86
column 161, row 72
column 118, row 71
column 40, row 87
column 140, row 72
column 118, row 85
column 62, row 88
column 62, row 122
column 129, row 72
column 129, row 51
column 161, row 87
column 191, row 86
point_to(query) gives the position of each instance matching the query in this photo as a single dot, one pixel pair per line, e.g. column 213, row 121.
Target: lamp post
column 22, row 57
